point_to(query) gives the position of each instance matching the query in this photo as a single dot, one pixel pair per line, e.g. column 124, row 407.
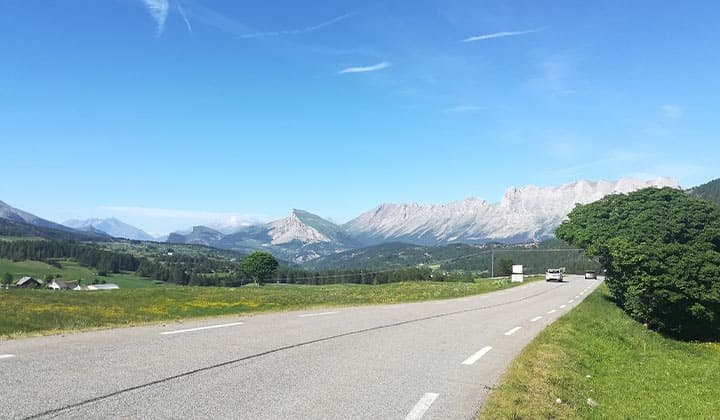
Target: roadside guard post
column 517, row 274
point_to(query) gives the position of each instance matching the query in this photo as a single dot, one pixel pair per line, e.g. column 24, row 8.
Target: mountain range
column 522, row 215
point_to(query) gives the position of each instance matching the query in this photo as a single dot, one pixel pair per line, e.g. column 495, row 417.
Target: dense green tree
column 661, row 249
column 504, row 267
column 259, row 265
column 7, row 278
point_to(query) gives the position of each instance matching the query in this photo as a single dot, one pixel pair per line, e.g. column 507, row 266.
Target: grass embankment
column 72, row 271
column 602, row 364
column 35, row 312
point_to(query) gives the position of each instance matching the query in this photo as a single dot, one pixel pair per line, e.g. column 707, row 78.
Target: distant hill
column 25, row 230
column 390, row 255
column 112, row 227
column 200, row 235
column 709, row 191
column 20, row 216
column 535, row 258
column 19, row 223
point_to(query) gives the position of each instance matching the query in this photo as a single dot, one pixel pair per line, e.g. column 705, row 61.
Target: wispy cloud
column 375, row 67
column 298, row 31
column 185, row 18
column 501, row 35
column 672, row 111
column 158, row 9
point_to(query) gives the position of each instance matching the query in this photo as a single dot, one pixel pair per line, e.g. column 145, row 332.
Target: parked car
column 554, row 274
column 590, row 275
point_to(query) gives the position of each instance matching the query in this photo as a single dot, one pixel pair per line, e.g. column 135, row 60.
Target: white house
column 63, row 285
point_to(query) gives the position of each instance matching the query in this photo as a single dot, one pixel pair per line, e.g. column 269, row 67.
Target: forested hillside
column 24, row 230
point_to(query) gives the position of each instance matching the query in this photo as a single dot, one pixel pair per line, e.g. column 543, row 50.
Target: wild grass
column 601, row 364
column 35, row 312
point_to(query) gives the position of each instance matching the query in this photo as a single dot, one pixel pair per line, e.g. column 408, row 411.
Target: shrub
column 661, row 250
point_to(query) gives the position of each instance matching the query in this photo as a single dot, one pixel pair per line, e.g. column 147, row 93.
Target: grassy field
column 71, row 271
column 603, row 365
column 28, row 312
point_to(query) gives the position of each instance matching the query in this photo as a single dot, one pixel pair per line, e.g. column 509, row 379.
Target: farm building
column 28, row 281
column 106, row 286
column 63, row 285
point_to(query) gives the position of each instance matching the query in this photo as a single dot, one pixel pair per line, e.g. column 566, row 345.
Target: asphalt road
column 430, row 360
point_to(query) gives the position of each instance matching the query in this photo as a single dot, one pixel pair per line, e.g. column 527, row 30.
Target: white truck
column 554, row 274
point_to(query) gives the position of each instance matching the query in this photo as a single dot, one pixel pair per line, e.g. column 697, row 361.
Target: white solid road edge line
column 537, row 318
column 201, row 328
column 6, row 356
column 319, row 314
column 475, row 357
column 422, row 406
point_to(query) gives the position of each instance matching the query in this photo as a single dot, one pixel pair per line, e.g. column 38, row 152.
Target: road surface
column 430, row 360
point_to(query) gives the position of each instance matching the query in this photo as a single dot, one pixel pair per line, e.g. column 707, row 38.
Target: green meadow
column 36, row 312
column 72, row 271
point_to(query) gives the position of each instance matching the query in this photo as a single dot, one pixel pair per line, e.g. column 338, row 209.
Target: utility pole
column 492, row 264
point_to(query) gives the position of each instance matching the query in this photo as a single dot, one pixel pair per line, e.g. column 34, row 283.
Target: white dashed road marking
column 562, row 306
column 6, row 356
column 513, row 331
column 537, row 318
column 571, row 300
column 552, row 311
column 475, row 357
column 422, row 406
column 201, row 328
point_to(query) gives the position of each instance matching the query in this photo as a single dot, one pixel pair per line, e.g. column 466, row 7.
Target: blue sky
column 172, row 113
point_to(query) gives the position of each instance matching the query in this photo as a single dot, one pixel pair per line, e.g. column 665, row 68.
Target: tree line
column 48, row 251
column 198, row 270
